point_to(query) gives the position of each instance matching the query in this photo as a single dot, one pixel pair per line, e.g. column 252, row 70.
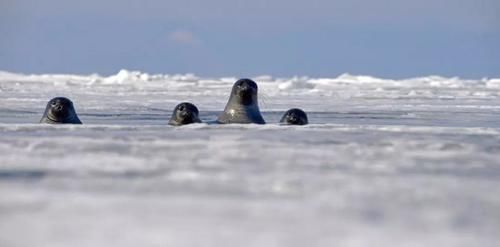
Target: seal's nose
column 185, row 114
column 293, row 119
column 58, row 107
column 244, row 90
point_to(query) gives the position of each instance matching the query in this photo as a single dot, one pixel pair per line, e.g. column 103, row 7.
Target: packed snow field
column 412, row 162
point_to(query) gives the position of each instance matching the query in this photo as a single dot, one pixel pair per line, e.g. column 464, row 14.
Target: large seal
column 184, row 113
column 242, row 106
column 60, row 110
column 294, row 116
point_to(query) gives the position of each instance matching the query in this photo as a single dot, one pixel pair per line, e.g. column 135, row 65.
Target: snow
column 411, row 162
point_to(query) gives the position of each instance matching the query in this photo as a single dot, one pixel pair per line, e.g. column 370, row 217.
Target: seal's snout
column 58, row 107
column 184, row 111
column 58, row 104
column 244, row 91
column 185, row 114
column 245, row 86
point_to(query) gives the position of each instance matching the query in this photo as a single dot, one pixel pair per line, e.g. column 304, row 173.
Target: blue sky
column 319, row 38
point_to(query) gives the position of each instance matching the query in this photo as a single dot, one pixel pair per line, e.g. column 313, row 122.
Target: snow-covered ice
column 412, row 162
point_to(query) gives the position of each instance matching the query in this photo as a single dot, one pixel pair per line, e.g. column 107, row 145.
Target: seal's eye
column 181, row 108
column 53, row 103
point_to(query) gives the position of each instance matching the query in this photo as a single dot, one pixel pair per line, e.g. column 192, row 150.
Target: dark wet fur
column 294, row 116
column 243, row 106
column 60, row 110
column 184, row 113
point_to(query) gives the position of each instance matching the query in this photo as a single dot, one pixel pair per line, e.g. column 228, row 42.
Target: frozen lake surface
column 412, row 162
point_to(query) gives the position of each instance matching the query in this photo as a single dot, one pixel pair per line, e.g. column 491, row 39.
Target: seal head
column 243, row 106
column 294, row 116
column 184, row 113
column 60, row 110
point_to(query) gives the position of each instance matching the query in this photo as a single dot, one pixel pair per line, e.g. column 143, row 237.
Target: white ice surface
column 412, row 162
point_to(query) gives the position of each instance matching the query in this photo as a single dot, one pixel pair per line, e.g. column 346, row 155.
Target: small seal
column 294, row 116
column 60, row 110
column 184, row 113
column 242, row 106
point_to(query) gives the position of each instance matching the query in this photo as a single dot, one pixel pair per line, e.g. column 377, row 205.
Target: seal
column 294, row 116
column 60, row 110
column 184, row 113
column 243, row 106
